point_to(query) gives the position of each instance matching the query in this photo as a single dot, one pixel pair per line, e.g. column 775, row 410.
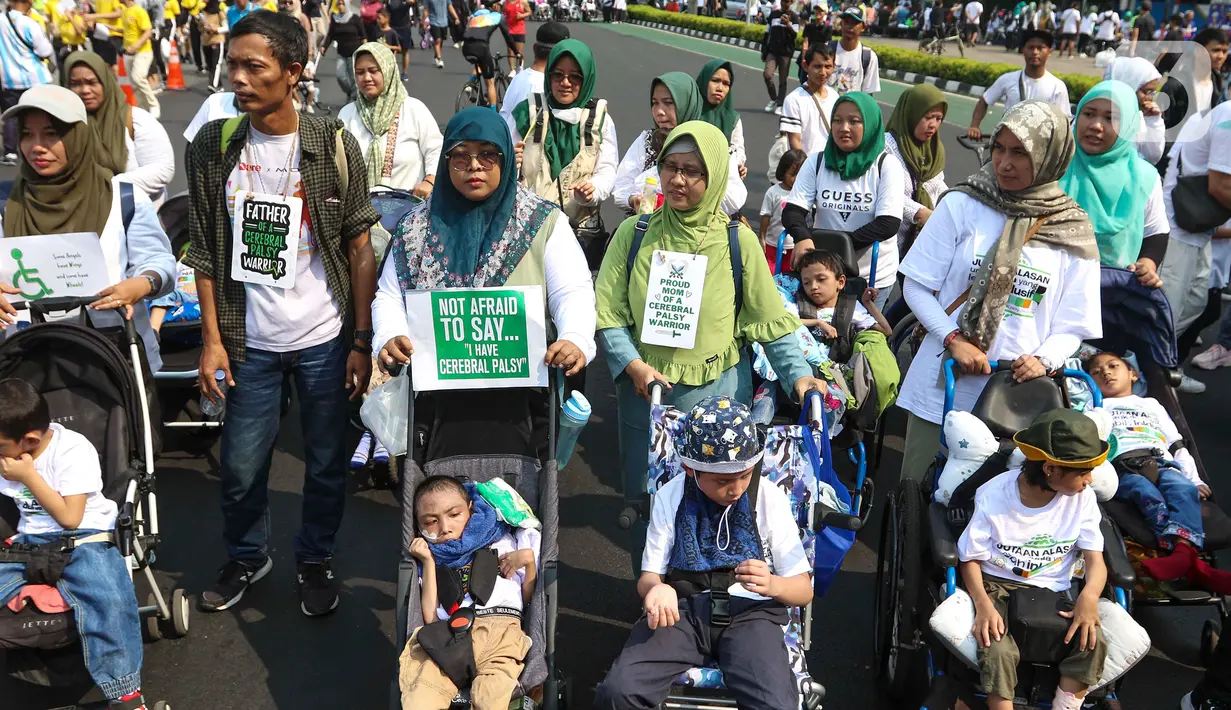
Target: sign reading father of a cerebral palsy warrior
column 266, row 239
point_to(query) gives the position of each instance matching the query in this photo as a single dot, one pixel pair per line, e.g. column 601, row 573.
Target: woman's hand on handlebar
column 8, row 314
column 122, row 295
column 1028, row 367
column 805, row 384
column 642, row 375
column 397, row 351
column 970, row 359
column 566, row 356
column 1147, row 273
column 423, row 190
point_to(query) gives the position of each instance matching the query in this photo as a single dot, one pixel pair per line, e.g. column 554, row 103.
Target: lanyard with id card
column 266, row 228
column 673, row 299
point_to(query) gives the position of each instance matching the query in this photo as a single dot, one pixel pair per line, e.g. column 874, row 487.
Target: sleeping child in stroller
column 478, row 574
column 821, row 279
column 54, row 476
column 722, row 563
column 1157, row 475
column 1028, row 529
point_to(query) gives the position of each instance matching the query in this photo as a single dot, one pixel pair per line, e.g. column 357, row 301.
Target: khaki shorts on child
column 998, row 662
column 500, row 648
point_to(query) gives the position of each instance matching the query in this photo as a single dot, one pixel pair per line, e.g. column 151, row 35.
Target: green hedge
column 963, row 70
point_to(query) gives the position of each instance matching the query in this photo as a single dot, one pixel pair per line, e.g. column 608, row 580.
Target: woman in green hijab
column 855, row 187
column 914, row 137
column 716, row 82
column 1119, row 190
column 567, row 141
column 132, row 143
column 674, row 100
column 689, row 236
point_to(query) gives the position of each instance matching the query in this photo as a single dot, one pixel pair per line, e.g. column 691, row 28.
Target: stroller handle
column 43, row 307
column 951, row 372
column 657, row 388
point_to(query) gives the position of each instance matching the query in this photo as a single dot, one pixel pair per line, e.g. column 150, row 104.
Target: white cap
column 57, row 101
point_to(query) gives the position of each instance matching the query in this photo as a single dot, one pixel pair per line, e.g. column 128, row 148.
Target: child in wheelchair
column 1157, row 474
column 54, row 476
column 1028, row 529
column 478, row 575
column 722, row 563
column 821, row 280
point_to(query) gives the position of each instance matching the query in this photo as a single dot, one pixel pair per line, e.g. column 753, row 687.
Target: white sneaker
column 440, row 64
column 777, row 110
column 769, row 107
column 1189, row 385
column 1217, row 356
column 457, row 45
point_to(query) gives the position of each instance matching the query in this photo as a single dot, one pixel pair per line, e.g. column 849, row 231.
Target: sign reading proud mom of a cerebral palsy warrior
column 266, row 235
column 477, row 338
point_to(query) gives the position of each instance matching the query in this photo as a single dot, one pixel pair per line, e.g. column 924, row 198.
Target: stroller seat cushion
column 1127, row 642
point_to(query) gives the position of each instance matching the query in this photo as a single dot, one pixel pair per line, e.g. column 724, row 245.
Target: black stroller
column 100, row 386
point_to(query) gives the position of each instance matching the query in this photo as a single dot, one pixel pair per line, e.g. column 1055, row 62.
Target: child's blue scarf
column 482, row 530
column 704, row 541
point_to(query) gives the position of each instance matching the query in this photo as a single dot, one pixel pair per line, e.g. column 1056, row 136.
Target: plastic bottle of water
column 573, row 417
column 213, row 408
column 649, row 196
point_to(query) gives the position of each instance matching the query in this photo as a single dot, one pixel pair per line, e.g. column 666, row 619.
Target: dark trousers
column 1208, row 317
column 194, row 36
column 211, row 52
column 782, row 65
column 9, row 99
column 751, row 654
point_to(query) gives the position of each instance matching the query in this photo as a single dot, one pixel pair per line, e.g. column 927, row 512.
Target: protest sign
column 53, row 265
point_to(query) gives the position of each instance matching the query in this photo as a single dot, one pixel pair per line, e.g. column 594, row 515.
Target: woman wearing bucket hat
column 716, row 525
column 1028, row 529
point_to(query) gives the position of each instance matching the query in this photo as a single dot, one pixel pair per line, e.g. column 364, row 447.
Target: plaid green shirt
column 336, row 219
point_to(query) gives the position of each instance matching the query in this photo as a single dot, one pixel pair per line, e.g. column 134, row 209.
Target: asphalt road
column 266, row 654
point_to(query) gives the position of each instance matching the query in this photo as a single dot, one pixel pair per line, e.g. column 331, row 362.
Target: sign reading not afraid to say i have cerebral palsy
column 477, row 338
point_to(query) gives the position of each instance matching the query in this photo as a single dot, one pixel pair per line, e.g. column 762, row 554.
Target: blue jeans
column 1172, row 508
column 96, row 585
column 248, row 437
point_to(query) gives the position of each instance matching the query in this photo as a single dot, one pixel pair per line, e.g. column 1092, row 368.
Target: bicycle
column 474, row 91
column 935, row 43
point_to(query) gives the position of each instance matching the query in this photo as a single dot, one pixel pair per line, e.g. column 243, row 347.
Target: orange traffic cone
column 126, row 84
column 175, row 75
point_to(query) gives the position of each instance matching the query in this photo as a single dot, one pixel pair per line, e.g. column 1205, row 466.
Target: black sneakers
column 233, row 580
column 318, row 590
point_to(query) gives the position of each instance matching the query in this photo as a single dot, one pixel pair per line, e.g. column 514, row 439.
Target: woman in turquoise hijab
column 1119, row 190
column 482, row 229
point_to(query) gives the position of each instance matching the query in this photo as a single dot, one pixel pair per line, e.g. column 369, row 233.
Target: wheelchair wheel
column 897, row 588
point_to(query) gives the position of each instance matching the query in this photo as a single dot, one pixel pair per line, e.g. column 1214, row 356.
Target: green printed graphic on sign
column 481, row 336
column 263, row 232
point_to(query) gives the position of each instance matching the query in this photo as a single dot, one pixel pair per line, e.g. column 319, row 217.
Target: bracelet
column 364, row 349
column 951, row 337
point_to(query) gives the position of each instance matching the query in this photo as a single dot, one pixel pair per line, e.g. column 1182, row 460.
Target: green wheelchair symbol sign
column 30, row 277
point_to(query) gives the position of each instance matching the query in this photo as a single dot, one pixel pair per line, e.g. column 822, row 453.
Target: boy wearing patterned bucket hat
column 1028, row 528
column 722, row 564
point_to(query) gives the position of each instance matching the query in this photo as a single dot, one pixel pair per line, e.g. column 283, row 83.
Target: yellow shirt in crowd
column 63, row 22
column 172, row 9
column 136, row 21
column 106, row 7
column 193, row 7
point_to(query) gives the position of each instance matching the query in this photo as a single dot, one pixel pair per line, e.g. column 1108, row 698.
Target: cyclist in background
column 476, row 44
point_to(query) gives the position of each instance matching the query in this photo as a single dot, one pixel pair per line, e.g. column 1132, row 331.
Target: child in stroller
column 1157, row 474
column 723, row 562
column 821, row 279
column 1028, row 529
column 464, row 582
column 54, row 476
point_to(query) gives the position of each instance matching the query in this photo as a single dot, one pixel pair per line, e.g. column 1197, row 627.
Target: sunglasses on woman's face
column 460, row 160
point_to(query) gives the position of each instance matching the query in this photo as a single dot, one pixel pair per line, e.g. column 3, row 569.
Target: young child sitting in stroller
column 1028, row 528
column 477, row 568
column 1157, row 474
column 722, row 564
column 54, row 476
column 821, row 279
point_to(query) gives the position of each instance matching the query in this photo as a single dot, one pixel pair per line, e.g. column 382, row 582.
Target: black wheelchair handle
column 845, row 521
column 59, row 304
column 973, row 144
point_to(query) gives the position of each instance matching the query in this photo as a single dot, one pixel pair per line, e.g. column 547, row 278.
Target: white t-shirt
column 1108, row 23
column 862, row 320
column 1087, row 24
column 282, row 320
column 1204, row 144
column 771, row 205
column 416, row 148
column 973, row 10
column 215, row 107
column 70, row 467
column 1047, row 88
column 800, row 115
column 1070, row 21
column 779, row 535
column 846, row 205
column 849, row 75
column 528, row 81
column 1142, row 424
column 1034, row 546
column 1054, row 293
column 507, row 592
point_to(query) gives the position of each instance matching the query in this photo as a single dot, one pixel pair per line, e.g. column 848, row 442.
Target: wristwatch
column 364, row 336
column 154, row 282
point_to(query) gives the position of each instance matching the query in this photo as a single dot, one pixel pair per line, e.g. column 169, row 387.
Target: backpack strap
column 737, row 265
column 643, row 223
column 340, row 162
column 866, row 59
column 540, row 124
column 128, row 204
column 588, row 131
column 228, row 130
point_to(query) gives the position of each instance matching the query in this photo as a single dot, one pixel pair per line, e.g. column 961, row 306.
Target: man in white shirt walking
column 1032, row 82
column 806, row 111
column 23, row 47
column 1070, row 21
column 1108, row 23
column 530, row 81
column 856, row 67
column 972, row 14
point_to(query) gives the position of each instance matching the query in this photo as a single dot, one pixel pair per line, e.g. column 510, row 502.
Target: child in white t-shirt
column 1028, row 528
column 1157, row 474
column 771, row 207
column 54, row 476
column 821, row 279
column 455, row 524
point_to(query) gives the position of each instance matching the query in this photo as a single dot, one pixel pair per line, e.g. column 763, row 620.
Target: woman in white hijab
column 1143, row 77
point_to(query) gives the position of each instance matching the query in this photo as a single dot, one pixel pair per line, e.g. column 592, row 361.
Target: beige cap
column 57, row 101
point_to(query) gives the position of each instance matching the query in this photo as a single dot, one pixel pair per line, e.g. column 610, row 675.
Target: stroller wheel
column 1210, row 632
column 179, row 614
column 898, row 588
column 151, row 629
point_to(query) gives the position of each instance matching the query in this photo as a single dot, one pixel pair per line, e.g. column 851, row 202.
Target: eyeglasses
column 85, row 84
column 460, row 160
column 691, row 175
column 559, row 77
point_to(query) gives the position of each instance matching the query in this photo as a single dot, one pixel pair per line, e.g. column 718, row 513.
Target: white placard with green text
column 53, row 265
column 477, row 338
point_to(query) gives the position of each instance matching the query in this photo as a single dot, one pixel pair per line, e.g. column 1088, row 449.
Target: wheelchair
column 919, row 558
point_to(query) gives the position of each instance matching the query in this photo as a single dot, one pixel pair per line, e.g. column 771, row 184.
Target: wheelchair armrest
column 125, row 529
column 830, row 517
column 944, row 546
column 1115, row 555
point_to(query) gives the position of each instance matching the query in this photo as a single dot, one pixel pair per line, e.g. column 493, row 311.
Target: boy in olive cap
column 722, row 564
column 1028, row 528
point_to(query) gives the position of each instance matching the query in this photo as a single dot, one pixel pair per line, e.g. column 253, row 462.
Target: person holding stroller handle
column 1006, row 268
